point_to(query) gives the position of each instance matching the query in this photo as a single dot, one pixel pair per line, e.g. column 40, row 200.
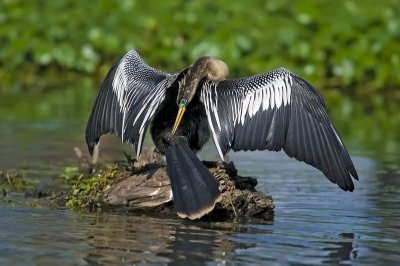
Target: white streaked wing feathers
column 252, row 95
column 272, row 111
column 127, row 100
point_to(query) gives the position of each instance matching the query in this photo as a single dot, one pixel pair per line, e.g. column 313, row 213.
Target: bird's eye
column 183, row 102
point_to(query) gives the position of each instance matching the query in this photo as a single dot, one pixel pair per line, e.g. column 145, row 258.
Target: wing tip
column 348, row 188
column 91, row 148
column 354, row 174
column 91, row 143
column 347, row 182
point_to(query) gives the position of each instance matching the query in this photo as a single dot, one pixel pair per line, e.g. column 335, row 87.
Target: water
column 314, row 221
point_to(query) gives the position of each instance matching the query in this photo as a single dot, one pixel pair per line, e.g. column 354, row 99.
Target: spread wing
column 277, row 110
column 128, row 98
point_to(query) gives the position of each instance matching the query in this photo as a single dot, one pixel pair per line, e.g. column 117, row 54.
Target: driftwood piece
column 148, row 190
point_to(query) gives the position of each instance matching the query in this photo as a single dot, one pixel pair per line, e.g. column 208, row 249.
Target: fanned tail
column 194, row 188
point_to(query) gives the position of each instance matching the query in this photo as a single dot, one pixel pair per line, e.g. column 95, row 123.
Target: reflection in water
column 76, row 239
column 343, row 250
column 128, row 240
column 384, row 199
column 131, row 239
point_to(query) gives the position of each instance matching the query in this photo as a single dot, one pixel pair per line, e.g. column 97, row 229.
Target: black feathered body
column 194, row 125
column 194, row 188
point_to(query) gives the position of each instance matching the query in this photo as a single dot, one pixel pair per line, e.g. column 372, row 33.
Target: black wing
column 274, row 111
column 128, row 98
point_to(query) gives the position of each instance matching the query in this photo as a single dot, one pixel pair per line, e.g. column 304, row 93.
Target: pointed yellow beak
column 178, row 118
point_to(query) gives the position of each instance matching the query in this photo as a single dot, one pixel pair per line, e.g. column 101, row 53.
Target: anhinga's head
column 204, row 67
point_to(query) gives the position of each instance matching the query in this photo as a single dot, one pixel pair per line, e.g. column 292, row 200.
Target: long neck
column 196, row 72
column 209, row 67
column 205, row 66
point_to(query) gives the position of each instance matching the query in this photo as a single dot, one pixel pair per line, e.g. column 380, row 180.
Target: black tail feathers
column 194, row 188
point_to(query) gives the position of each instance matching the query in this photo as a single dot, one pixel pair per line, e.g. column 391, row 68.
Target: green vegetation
column 347, row 46
column 14, row 182
column 350, row 51
column 76, row 189
column 87, row 189
column 15, row 188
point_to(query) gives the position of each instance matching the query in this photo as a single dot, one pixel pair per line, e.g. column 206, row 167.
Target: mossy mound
column 11, row 181
column 143, row 186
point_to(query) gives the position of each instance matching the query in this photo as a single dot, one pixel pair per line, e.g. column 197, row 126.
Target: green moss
column 15, row 182
column 87, row 189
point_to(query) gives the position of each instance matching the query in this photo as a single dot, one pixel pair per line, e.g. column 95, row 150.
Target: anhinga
column 274, row 111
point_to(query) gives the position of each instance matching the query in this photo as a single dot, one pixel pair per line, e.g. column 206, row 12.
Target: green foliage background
column 350, row 50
